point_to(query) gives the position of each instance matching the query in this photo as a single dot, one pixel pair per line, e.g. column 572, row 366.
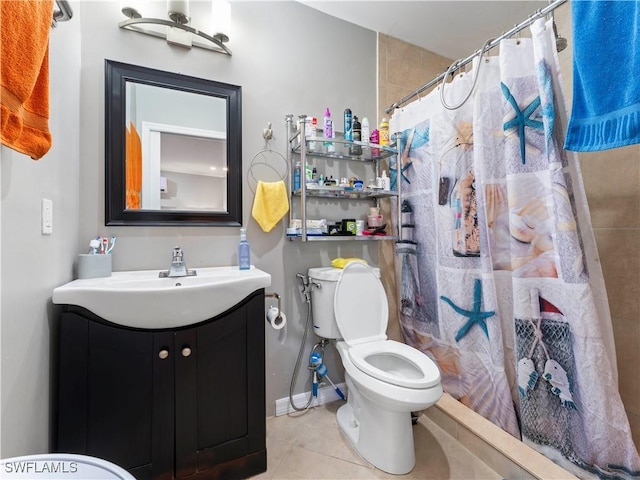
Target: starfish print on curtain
column 409, row 139
column 476, row 316
column 522, row 118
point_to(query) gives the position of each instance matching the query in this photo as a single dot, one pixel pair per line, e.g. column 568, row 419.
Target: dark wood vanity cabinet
column 164, row 404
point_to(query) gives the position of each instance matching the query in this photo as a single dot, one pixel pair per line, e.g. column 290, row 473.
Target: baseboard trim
column 325, row 395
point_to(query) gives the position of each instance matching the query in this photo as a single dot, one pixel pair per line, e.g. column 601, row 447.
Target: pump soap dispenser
column 244, row 251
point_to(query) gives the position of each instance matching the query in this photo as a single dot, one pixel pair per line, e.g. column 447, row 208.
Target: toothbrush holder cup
column 94, row 266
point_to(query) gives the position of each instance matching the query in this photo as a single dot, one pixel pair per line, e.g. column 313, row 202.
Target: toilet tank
column 323, row 286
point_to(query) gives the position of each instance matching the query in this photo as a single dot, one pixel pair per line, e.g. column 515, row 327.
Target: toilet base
column 382, row 437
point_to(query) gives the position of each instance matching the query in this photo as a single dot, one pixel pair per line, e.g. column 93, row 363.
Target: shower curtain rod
column 493, row 43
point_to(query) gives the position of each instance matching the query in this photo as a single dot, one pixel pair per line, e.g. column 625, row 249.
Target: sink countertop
column 140, row 299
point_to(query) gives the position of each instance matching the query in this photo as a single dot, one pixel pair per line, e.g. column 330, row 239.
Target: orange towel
column 24, row 75
column 133, row 162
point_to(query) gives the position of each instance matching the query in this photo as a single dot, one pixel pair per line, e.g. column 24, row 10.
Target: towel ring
column 260, row 165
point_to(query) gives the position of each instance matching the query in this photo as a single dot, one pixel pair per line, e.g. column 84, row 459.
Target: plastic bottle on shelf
column 308, row 173
column 311, row 129
column 328, row 131
column 385, row 182
column 307, row 127
column 296, row 176
column 356, row 137
column 365, row 130
column 374, row 219
column 375, row 138
column 357, row 129
column 348, row 124
column 384, row 132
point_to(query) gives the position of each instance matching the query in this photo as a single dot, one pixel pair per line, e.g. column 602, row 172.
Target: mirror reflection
column 173, row 149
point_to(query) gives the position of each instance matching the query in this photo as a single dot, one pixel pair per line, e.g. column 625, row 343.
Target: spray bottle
column 348, row 135
column 356, row 136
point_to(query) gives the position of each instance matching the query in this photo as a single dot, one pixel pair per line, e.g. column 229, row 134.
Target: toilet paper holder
column 277, row 297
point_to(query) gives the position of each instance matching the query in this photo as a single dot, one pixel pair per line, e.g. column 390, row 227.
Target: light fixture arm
column 215, row 42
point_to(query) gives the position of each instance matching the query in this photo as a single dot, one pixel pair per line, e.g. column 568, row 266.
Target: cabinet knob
column 186, row 351
column 164, row 353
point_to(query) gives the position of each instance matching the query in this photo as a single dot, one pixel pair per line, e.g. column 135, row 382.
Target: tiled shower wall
column 612, row 184
column 402, row 68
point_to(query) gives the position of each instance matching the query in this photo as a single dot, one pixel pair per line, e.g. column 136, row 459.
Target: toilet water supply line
column 320, row 372
column 316, row 367
column 306, row 291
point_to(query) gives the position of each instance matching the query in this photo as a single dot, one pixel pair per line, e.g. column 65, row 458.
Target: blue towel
column 606, row 75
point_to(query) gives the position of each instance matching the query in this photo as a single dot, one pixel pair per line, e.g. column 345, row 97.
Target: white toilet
column 386, row 380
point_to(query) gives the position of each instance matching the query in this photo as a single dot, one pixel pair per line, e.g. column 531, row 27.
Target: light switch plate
column 47, row 216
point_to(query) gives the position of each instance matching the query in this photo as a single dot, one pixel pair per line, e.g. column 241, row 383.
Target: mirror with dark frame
column 173, row 151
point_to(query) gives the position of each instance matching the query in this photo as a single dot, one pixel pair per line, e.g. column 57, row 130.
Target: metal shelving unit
column 301, row 147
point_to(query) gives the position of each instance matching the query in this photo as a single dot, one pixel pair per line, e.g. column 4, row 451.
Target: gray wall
column 34, row 264
column 287, row 58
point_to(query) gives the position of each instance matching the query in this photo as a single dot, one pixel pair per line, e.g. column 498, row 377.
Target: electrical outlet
column 47, row 216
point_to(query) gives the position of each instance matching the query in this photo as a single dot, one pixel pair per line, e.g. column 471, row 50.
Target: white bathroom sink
column 140, row 299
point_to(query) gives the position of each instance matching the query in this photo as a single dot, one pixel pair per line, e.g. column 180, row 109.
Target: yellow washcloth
column 343, row 262
column 270, row 204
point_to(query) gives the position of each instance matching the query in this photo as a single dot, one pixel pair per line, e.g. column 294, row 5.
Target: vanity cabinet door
column 220, row 383
column 165, row 404
column 115, row 398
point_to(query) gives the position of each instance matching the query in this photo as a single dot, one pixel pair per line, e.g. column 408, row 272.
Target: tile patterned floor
column 309, row 445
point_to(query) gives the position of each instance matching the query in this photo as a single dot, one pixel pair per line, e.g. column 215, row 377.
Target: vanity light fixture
column 177, row 29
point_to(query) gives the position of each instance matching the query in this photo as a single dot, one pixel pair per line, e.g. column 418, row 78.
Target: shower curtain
column 500, row 282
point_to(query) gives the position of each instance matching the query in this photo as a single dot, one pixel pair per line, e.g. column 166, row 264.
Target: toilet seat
column 418, row 370
column 363, row 325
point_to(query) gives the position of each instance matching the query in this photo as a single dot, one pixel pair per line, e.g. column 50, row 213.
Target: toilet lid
column 360, row 305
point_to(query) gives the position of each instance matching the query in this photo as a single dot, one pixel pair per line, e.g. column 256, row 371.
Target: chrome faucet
column 178, row 267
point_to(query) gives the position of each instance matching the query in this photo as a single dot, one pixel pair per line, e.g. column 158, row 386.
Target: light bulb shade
column 221, row 19
column 177, row 29
column 132, row 8
column 178, row 11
